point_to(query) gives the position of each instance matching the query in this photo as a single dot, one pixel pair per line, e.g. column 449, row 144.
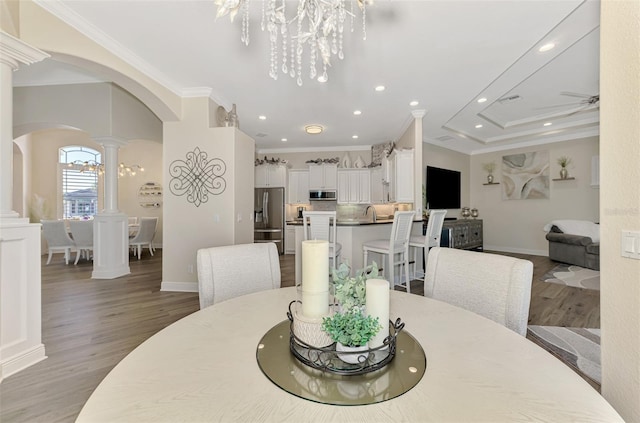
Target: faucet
column 375, row 217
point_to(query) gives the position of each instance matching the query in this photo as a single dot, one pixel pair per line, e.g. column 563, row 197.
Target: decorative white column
column 417, row 163
column 110, row 226
column 20, row 279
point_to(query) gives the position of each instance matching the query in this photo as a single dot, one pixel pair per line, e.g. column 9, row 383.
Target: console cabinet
column 465, row 234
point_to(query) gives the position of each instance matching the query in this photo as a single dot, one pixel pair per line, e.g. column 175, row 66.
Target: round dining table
column 203, row 368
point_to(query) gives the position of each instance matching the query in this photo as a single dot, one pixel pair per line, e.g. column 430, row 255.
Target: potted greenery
column 564, row 161
column 349, row 291
column 351, row 331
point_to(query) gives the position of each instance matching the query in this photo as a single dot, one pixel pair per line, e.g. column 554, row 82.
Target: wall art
column 525, row 176
column 197, row 177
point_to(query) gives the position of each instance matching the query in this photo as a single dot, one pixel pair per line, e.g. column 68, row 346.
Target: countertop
column 350, row 222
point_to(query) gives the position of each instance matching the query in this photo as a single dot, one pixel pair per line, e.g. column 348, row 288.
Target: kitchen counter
column 350, row 222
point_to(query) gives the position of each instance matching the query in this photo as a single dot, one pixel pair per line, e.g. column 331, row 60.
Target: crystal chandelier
column 319, row 25
column 91, row 166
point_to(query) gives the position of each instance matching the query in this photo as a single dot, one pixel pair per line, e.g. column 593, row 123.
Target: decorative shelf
column 492, row 183
column 565, row 179
column 150, row 195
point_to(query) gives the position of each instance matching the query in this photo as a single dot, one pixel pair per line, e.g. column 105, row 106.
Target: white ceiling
column 444, row 53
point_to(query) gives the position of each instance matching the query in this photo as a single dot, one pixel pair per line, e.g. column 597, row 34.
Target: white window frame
column 71, row 153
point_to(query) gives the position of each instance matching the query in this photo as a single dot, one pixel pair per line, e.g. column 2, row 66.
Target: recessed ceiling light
column 262, row 117
column 547, row 124
column 355, row 137
column 546, row 47
column 482, row 99
column 478, row 126
column 357, row 112
column 414, row 103
column 283, row 140
column 313, row 129
column 380, row 88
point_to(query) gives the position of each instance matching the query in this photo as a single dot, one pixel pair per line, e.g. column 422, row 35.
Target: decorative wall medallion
column 525, row 176
column 197, row 177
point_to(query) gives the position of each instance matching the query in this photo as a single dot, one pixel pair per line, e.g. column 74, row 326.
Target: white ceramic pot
column 351, row 358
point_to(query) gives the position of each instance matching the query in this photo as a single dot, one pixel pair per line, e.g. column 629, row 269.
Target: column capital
column 14, row 51
column 419, row 114
column 110, row 141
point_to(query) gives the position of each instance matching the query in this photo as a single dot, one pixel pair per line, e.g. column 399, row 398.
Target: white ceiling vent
column 445, row 138
column 261, row 135
column 509, row 99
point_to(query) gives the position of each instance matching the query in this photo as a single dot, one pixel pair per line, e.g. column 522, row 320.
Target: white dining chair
column 82, row 233
column 430, row 239
column 396, row 246
column 58, row 239
column 230, row 271
column 321, row 225
column 491, row 285
column 144, row 236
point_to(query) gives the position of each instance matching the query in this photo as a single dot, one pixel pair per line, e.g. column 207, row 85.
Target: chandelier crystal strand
column 262, row 23
column 245, row 24
column 284, row 39
column 299, row 48
column 364, row 20
column 292, row 69
column 313, row 41
column 273, row 38
column 343, row 14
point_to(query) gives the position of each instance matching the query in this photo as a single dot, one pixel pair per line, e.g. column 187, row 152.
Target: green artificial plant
column 352, row 328
column 350, row 292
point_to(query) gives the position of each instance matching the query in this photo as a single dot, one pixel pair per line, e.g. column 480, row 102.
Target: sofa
column 574, row 242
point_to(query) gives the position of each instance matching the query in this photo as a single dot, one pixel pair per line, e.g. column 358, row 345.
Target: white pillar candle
column 377, row 305
column 315, row 278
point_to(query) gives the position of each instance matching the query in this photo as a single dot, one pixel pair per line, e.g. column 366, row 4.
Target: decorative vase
column 474, row 213
column 564, row 173
column 346, row 161
column 465, row 212
column 351, row 357
column 490, row 178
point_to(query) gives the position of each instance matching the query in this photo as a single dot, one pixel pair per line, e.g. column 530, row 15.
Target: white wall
column 620, row 203
column 516, row 225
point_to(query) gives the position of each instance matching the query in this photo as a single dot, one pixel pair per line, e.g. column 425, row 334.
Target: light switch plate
column 630, row 244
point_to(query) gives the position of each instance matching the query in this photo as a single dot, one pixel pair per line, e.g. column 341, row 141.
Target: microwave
column 319, row 195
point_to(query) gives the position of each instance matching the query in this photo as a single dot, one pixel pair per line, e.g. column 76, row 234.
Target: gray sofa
column 573, row 249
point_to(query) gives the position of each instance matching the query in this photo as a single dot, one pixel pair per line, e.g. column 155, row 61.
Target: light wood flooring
column 89, row 325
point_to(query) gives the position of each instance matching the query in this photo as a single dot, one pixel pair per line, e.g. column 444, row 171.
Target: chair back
column 55, row 233
column 434, row 228
column 494, row 286
column 319, row 225
column 234, row 270
column 82, row 232
column 146, row 230
column 133, row 220
column 401, row 231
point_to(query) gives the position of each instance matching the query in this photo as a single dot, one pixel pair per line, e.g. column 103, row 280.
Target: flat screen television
column 443, row 188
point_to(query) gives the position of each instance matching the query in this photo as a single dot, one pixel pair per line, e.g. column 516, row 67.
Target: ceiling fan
column 588, row 101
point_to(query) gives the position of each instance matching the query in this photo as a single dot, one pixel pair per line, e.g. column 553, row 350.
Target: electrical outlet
column 190, row 268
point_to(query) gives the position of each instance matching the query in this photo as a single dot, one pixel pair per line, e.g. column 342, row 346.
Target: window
column 79, row 168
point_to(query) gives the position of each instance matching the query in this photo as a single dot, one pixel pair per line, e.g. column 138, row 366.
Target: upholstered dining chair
column 144, row 236
column 491, row 285
column 321, row 225
column 396, row 246
column 58, row 239
column 82, row 233
column 234, row 270
column 430, row 239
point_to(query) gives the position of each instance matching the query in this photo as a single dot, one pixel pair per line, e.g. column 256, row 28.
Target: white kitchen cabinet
column 270, row 175
column 354, row 186
column 323, row 176
column 298, row 187
column 400, row 172
column 290, row 239
column 377, row 186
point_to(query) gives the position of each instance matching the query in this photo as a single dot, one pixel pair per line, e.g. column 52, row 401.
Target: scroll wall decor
column 197, row 177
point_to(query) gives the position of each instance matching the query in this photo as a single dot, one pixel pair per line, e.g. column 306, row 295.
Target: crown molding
column 314, row 149
column 14, row 51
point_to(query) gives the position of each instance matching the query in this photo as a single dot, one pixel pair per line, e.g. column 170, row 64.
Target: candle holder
column 326, row 358
column 308, row 329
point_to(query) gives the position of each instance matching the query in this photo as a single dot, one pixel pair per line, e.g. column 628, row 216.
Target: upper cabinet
column 377, row 186
column 298, row 188
column 323, row 176
column 270, row 175
column 400, row 176
column 354, row 186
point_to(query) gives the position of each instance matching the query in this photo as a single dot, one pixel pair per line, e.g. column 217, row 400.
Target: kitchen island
column 351, row 234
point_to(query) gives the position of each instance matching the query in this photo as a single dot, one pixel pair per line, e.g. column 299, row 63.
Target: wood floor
column 89, row 325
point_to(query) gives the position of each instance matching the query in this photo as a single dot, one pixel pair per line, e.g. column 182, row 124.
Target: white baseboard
column 515, row 250
column 110, row 273
column 22, row 361
column 179, row 286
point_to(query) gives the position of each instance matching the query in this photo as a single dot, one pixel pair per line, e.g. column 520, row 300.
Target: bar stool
column 397, row 244
column 322, row 225
column 430, row 239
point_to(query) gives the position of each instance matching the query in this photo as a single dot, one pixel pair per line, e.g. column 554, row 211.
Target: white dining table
column 203, row 368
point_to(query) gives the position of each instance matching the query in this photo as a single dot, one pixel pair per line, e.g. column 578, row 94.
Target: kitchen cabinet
column 377, row 186
column 270, row 176
column 298, row 186
column 290, row 239
column 400, row 173
column 323, row 176
column 354, row 186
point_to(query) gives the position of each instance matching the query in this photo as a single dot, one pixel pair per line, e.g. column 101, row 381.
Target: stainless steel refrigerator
column 269, row 216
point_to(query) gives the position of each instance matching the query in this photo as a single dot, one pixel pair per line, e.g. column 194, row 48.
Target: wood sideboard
column 465, row 234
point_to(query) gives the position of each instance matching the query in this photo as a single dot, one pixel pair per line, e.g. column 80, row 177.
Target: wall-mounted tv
column 443, row 188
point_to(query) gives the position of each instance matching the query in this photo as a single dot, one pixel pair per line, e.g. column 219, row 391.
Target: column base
column 110, row 246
